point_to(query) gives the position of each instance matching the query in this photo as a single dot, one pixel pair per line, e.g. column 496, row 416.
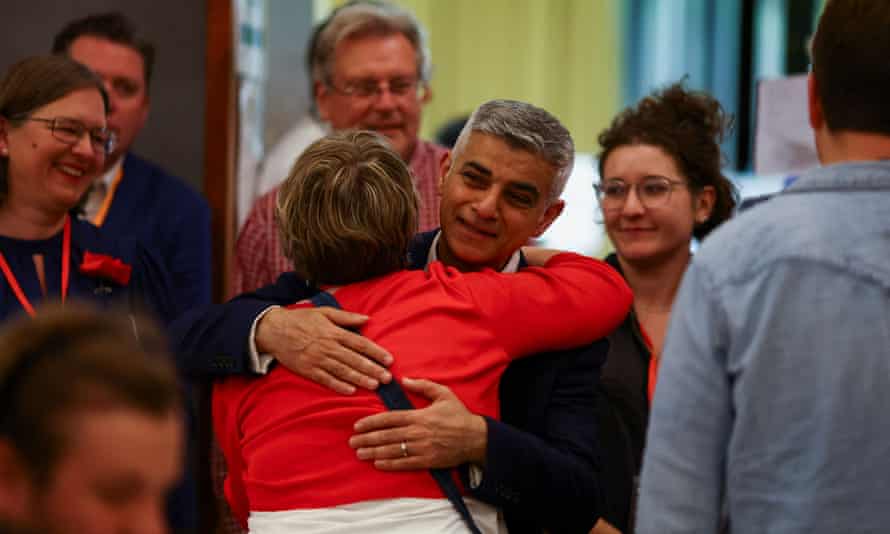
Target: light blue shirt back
column 773, row 396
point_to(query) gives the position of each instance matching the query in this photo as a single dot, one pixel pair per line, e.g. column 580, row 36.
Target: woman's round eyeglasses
column 652, row 192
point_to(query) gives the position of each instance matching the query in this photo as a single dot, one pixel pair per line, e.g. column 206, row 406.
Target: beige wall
column 562, row 55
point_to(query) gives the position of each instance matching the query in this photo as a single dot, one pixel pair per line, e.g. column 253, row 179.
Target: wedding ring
column 404, row 450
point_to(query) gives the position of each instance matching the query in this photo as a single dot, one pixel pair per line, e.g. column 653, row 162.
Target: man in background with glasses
column 134, row 197
column 775, row 378
column 370, row 69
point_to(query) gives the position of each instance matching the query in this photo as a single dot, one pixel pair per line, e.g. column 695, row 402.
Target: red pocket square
column 100, row 265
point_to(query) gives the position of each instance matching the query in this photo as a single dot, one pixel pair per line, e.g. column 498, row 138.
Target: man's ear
column 322, row 100
column 146, row 107
column 817, row 119
column 4, row 134
column 427, row 94
column 550, row 215
column 16, row 486
column 444, row 165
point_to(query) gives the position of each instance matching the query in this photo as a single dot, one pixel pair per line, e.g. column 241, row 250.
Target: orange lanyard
column 99, row 218
column 66, row 265
column 653, row 364
column 653, row 375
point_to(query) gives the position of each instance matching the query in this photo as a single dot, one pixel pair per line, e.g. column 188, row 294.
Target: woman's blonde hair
column 347, row 210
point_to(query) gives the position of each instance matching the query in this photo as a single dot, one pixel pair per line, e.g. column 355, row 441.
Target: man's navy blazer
column 170, row 219
column 542, row 457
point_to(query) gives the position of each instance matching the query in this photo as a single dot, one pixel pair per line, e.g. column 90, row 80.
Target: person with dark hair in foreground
column 773, row 390
column 91, row 436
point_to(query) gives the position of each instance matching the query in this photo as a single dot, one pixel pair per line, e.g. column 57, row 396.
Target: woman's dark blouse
column 622, row 414
column 148, row 289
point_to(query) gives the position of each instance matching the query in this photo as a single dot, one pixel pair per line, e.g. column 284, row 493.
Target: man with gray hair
column 499, row 189
column 538, row 145
column 370, row 68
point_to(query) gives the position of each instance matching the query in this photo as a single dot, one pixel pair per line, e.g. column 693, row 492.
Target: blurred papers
column 783, row 139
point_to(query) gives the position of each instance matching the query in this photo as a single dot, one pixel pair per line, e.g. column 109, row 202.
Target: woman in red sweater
column 346, row 214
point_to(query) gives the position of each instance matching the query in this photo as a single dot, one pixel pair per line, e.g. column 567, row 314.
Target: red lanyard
column 66, row 266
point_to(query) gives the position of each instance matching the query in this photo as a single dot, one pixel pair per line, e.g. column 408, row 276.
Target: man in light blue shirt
column 773, row 400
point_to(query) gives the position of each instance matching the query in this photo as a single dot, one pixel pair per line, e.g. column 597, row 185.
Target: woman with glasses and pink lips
column 660, row 186
column 53, row 143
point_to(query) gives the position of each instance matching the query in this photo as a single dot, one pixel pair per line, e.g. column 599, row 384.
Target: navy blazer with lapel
column 542, row 457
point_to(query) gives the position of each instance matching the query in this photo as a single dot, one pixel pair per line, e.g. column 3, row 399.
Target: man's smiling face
column 394, row 113
column 494, row 199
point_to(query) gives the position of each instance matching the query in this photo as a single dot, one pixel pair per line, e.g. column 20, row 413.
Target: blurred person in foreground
column 772, row 396
column 91, row 436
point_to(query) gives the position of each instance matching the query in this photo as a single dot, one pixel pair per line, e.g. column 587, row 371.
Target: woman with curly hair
column 660, row 186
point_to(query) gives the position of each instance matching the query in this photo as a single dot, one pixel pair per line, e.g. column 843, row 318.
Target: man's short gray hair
column 524, row 126
column 360, row 19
